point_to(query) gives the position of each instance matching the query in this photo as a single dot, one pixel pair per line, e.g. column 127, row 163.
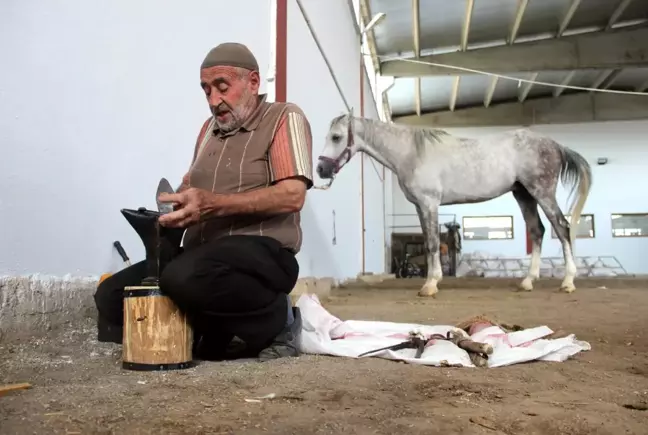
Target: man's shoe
column 109, row 333
column 211, row 347
column 286, row 344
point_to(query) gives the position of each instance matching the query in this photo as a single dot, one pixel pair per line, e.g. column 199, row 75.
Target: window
column 487, row 227
column 630, row 225
column 584, row 229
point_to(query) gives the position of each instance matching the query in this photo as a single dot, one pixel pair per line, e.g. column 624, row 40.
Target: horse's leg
column 429, row 217
column 561, row 227
column 529, row 207
column 424, row 230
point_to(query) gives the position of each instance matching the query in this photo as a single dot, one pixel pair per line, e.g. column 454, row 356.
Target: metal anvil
column 160, row 243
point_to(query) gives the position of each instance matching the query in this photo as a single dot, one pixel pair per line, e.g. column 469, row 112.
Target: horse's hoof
column 567, row 289
column 525, row 286
column 428, row 292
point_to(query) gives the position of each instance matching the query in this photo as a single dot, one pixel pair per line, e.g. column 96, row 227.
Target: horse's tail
column 577, row 172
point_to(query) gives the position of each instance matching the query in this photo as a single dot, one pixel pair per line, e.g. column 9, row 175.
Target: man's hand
column 194, row 205
column 189, row 205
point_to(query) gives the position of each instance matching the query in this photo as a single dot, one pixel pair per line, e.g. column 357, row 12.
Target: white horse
column 435, row 168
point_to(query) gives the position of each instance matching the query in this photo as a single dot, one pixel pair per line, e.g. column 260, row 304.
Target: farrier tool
column 122, row 253
column 160, row 244
column 416, row 341
column 164, row 187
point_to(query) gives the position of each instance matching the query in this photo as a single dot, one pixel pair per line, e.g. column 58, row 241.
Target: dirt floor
column 80, row 388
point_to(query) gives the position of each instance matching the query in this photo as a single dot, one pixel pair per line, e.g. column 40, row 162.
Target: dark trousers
column 232, row 286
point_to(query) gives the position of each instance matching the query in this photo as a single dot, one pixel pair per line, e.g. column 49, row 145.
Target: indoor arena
column 453, row 225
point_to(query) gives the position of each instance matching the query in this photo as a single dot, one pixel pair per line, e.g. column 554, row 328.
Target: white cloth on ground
column 325, row 334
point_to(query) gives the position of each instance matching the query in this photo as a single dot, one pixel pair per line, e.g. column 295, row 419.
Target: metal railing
column 586, row 266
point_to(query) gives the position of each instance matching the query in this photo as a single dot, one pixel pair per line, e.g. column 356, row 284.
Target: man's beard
column 234, row 116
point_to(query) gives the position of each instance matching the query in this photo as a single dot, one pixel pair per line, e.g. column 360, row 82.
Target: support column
column 362, row 161
column 281, row 52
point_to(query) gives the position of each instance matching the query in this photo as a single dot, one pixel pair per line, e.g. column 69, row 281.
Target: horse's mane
column 337, row 119
column 430, row 134
column 422, row 136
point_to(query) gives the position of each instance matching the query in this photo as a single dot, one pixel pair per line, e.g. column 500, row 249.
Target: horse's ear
column 351, row 112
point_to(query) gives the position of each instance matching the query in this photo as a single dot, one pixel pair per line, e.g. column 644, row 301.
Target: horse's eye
column 336, row 138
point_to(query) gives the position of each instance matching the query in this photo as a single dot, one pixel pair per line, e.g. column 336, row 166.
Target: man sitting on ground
column 240, row 202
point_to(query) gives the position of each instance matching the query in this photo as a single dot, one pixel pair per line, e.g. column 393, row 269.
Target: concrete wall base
column 311, row 285
column 35, row 304
column 368, row 278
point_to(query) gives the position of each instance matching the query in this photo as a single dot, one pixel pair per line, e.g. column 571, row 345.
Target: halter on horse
column 344, row 156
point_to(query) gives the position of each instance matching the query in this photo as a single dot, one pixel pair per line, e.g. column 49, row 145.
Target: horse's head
column 340, row 146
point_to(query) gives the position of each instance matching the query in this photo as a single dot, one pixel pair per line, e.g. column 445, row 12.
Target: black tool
column 416, row 341
column 120, row 250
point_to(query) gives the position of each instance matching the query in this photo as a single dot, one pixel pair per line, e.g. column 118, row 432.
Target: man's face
column 231, row 93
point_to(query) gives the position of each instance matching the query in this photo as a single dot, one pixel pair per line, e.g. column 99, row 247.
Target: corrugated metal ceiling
column 441, row 23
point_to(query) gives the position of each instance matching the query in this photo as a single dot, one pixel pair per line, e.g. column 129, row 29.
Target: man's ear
column 255, row 80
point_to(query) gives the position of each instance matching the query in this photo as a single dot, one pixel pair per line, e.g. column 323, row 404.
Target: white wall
column 311, row 86
column 374, row 201
column 618, row 187
column 98, row 103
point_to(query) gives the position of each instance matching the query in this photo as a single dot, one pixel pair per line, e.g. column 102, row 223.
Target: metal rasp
column 164, row 187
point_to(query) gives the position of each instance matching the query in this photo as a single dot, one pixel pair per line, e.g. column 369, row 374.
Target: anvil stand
column 161, row 245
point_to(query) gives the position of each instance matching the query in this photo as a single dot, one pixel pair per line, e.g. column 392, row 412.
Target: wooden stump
column 157, row 335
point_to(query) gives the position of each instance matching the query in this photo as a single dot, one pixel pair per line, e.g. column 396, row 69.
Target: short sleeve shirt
column 274, row 144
